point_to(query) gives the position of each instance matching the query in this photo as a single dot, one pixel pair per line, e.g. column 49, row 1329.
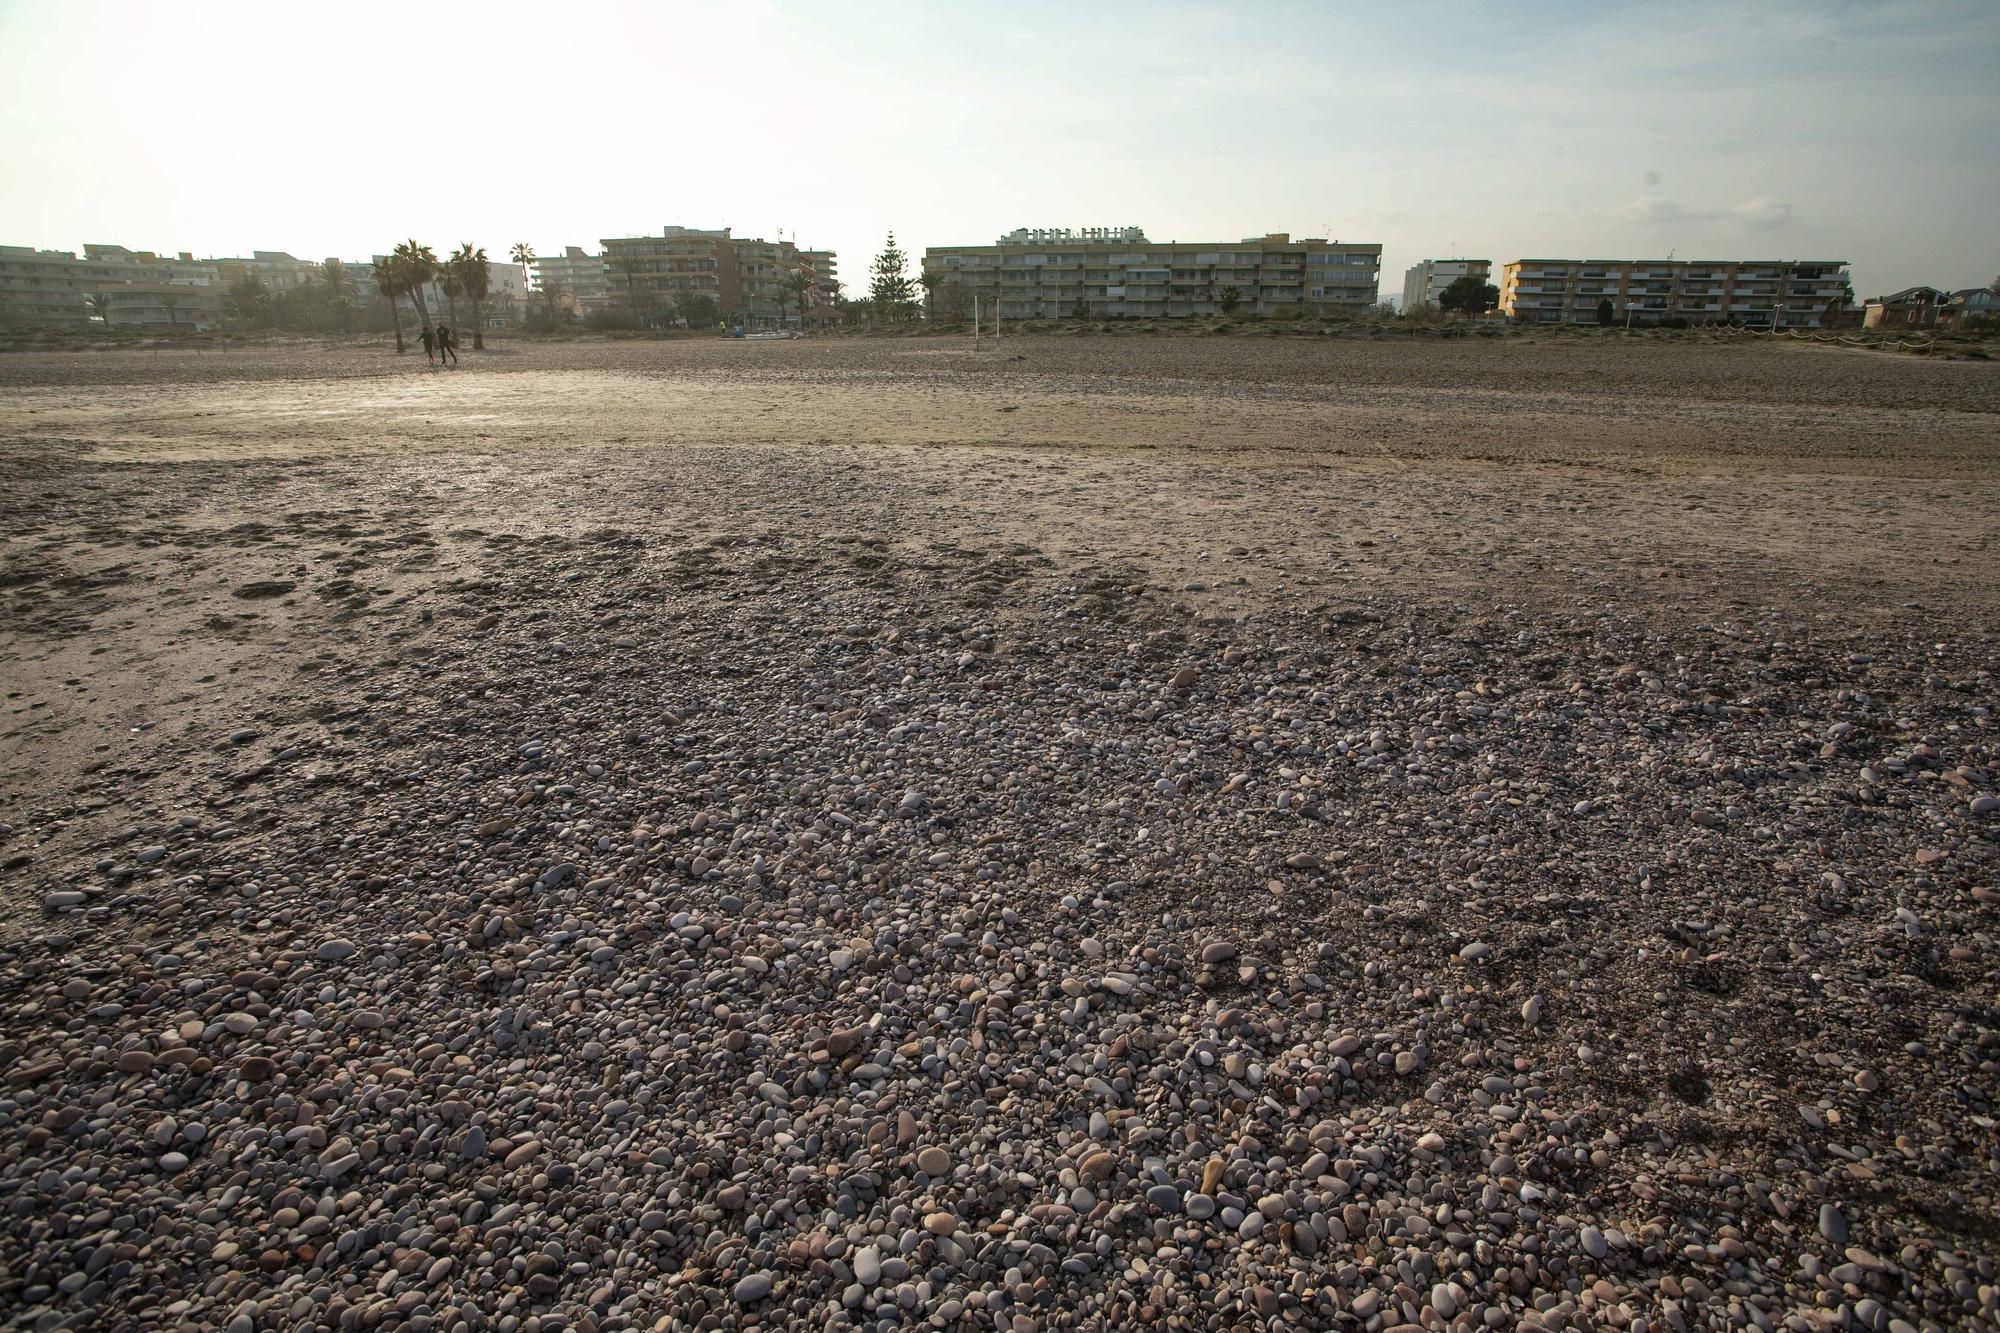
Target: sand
column 148, row 490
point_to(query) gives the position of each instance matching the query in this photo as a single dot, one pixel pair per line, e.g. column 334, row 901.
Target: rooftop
column 1697, row 263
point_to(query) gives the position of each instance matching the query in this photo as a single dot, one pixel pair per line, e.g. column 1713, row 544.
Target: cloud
column 1764, row 214
column 1653, row 211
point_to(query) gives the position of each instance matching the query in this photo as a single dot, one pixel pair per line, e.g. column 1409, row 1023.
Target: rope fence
column 1841, row 339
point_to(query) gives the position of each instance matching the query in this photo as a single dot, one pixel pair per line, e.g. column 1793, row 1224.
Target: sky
column 1769, row 130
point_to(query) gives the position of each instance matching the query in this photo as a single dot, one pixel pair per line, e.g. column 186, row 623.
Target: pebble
column 1004, row 968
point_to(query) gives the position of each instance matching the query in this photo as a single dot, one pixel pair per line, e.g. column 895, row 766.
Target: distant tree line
column 330, row 300
column 336, row 298
column 340, row 299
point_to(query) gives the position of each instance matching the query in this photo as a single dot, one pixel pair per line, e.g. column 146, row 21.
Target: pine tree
column 893, row 290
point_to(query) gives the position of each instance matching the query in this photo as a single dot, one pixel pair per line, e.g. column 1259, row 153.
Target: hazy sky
column 1769, row 129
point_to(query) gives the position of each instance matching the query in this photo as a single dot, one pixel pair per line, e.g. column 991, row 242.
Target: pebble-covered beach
column 672, row 837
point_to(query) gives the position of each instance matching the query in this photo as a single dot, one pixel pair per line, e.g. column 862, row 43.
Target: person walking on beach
column 430, row 342
column 447, row 345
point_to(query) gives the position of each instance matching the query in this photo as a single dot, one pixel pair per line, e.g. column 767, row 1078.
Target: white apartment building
column 1424, row 283
column 1755, row 293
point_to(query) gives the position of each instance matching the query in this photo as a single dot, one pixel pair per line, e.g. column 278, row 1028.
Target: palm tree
column 468, row 266
column 801, row 283
column 390, row 284
column 101, row 303
column 524, row 255
column 415, row 266
column 333, row 274
column 930, row 278
column 171, row 302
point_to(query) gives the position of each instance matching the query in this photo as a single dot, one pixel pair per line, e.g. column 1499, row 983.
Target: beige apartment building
column 1111, row 273
column 747, row 276
column 1756, row 293
column 646, row 275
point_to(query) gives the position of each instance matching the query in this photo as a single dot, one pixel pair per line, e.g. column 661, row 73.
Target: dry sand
column 1687, row 479
column 276, row 613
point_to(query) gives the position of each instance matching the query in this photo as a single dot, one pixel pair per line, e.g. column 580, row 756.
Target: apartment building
column 278, row 271
column 820, row 301
column 1424, row 283
column 42, row 287
column 763, row 268
column 1116, row 273
column 748, row 277
column 115, row 264
column 506, row 292
column 162, row 305
column 647, row 275
column 576, row 273
column 138, row 288
column 506, row 288
column 1756, row 293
